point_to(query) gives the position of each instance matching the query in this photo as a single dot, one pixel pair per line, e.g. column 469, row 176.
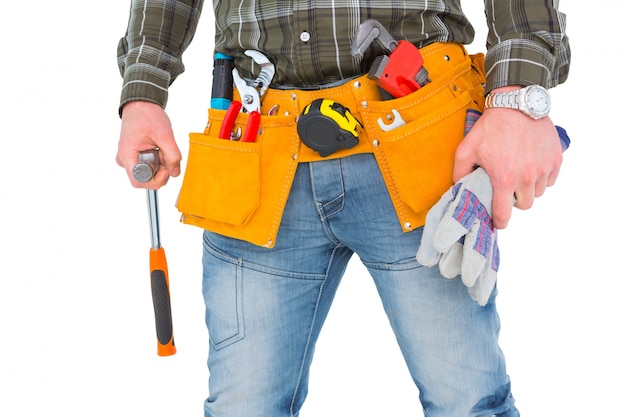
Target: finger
column 160, row 178
column 540, row 187
column 128, row 155
column 552, row 177
column 524, row 198
column 464, row 161
column 171, row 157
column 462, row 168
column 451, row 261
column 427, row 255
column 124, row 157
column 544, row 182
column 450, row 229
column 474, row 254
column 502, row 207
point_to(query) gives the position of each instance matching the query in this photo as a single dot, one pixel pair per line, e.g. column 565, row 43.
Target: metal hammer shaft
column 144, row 171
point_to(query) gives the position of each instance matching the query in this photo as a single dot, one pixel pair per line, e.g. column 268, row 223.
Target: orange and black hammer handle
column 144, row 171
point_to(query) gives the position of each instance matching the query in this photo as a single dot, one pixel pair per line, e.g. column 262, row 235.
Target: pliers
column 250, row 100
column 252, row 128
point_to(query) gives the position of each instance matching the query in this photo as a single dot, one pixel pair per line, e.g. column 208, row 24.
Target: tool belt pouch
column 239, row 189
column 416, row 158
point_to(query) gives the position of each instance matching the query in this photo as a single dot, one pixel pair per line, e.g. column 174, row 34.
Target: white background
column 76, row 324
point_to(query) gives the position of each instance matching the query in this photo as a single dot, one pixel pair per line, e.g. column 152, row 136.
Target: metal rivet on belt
column 357, row 84
column 294, row 96
column 375, row 142
column 294, row 156
column 407, row 225
column 364, row 104
column 446, row 57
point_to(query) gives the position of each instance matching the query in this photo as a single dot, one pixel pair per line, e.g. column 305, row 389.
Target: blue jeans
column 266, row 307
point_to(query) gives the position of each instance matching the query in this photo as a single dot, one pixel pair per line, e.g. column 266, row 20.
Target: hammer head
column 147, row 166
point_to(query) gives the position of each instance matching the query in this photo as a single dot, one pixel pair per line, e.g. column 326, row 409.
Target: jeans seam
column 320, row 206
column 399, row 266
column 308, row 342
column 306, row 350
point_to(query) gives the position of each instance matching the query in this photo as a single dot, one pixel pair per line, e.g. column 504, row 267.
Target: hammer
column 145, row 169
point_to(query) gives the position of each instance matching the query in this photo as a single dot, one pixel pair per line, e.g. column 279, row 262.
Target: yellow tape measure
column 327, row 126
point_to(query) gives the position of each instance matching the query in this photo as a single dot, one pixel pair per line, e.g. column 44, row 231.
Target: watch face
column 538, row 102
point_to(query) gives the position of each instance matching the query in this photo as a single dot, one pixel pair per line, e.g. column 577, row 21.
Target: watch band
column 533, row 101
column 507, row 100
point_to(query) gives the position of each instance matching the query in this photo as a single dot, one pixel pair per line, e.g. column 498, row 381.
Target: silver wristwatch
column 534, row 101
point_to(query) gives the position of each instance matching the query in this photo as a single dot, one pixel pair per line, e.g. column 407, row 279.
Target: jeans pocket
column 222, row 291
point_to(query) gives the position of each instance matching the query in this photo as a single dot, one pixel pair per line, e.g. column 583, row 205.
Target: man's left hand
column 521, row 155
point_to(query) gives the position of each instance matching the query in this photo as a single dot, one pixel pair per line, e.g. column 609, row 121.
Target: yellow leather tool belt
column 239, row 189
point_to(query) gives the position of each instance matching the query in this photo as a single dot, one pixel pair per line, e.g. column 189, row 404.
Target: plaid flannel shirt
column 309, row 40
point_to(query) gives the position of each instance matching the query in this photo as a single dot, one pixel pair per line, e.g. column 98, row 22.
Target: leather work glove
column 467, row 223
column 459, row 233
column 427, row 255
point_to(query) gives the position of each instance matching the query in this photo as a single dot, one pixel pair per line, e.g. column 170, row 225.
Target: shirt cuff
column 518, row 62
column 143, row 82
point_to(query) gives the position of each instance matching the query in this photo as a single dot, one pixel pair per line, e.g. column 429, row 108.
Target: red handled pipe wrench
column 250, row 100
column 399, row 73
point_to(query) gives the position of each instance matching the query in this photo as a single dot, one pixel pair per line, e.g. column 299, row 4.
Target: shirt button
column 305, row 37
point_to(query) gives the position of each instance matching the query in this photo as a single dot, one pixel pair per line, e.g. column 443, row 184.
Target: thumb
column 502, row 207
column 464, row 160
column 170, row 156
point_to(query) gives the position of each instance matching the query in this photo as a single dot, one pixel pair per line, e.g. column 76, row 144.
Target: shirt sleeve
column 149, row 55
column 526, row 43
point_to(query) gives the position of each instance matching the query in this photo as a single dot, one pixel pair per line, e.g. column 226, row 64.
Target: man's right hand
column 146, row 126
